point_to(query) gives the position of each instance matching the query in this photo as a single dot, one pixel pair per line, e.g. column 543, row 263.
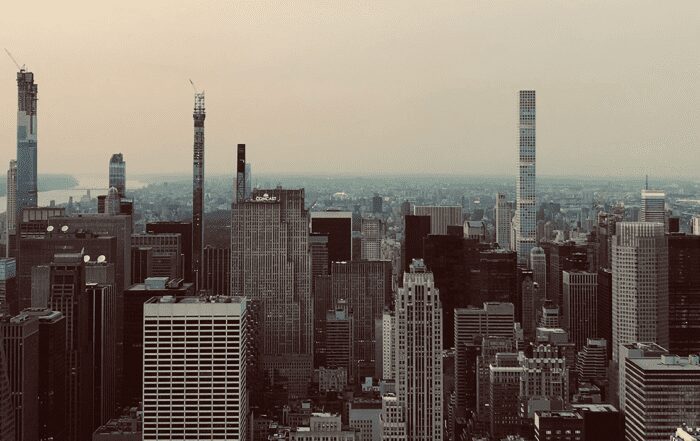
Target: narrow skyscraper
column 26, row 141
column 11, row 212
column 503, row 218
column 526, row 206
column 198, row 188
column 419, row 354
column 117, row 173
column 240, row 190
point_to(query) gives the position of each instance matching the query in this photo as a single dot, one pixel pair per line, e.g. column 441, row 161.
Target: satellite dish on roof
column 64, row 228
column 86, row 258
column 49, row 228
column 101, row 258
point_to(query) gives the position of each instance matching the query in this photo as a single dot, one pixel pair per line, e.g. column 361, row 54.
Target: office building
column 166, row 249
column 544, row 377
column 633, row 351
column 270, row 264
column 503, row 395
column 339, row 342
column 604, row 314
column 419, row 354
column 52, row 373
column 454, row 262
column 592, row 361
column 11, row 211
column 524, row 222
column 372, row 230
column 393, row 419
column 68, row 296
column 141, row 263
column 498, row 278
column 662, row 393
column 8, row 285
column 103, row 323
column 503, row 216
column 653, row 207
column 337, row 225
column 470, row 326
column 183, row 393
column 601, row 422
column 538, row 265
column 580, row 307
column 476, row 230
column 388, row 343
column 416, row 229
column 199, row 114
column 184, row 229
column 26, row 195
column 134, row 298
column 19, row 340
column 7, row 415
column 563, row 256
column 323, row 427
column 216, row 270
column 365, row 416
column 366, row 287
column 684, row 294
column 117, row 174
column 440, row 216
column 639, row 284
column 559, row 425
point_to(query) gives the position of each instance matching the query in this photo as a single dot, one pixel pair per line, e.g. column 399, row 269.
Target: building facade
column 525, row 224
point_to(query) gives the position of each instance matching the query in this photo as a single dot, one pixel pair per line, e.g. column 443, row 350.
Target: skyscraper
column 270, row 264
column 185, row 230
column 366, row 287
column 653, row 206
column 198, row 188
column 440, row 216
column 117, row 173
column 525, row 212
column 11, row 212
column 216, row 270
column 166, row 253
column 337, row 225
column 19, row 339
column 68, row 296
column 580, row 306
column 240, row 187
column 661, row 394
column 201, row 394
column 503, row 217
column 684, row 294
column 639, row 284
column 26, row 141
column 419, row 354
column 416, row 228
column 538, row 265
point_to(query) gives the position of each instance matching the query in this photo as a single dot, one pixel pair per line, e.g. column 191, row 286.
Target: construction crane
column 20, row 68
column 194, row 87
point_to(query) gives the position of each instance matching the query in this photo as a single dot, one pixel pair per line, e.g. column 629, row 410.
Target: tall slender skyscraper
column 419, row 354
column 503, row 218
column 240, row 190
column 26, row 141
column 117, row 173
column 11, row 212
column 198, row 188
column 526, row 205
column 639, row 285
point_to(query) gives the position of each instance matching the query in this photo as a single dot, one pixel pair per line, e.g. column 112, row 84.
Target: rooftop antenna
column 21, row 68
column 646, row 183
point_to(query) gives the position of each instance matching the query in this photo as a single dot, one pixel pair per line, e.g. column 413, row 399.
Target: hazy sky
column 359, row 87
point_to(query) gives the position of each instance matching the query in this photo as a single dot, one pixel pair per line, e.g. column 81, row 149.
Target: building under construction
column 26, row 141
column 198, row 188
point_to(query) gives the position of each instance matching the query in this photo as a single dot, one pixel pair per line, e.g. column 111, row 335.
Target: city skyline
column 438, row 109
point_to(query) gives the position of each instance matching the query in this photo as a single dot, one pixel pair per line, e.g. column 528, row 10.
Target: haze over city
column 360, row 87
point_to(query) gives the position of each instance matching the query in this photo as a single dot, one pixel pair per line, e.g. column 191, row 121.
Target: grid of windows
column 194, row 378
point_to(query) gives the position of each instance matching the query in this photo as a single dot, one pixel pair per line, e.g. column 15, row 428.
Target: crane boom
column 13, row 60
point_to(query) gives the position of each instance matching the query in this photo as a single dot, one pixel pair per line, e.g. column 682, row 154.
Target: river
column 95, row 184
